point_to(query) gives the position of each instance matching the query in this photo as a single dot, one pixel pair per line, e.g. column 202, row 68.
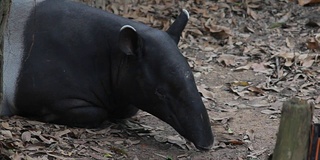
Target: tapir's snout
column 201, row 134
column 204, row 148
column 196, row 123
column 204, row 142
column 192, row 122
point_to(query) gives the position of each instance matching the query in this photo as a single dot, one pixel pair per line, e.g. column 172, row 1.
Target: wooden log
column 294, row 131
column 4, row 12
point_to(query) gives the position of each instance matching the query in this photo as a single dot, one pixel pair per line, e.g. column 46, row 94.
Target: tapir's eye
column 160, row 93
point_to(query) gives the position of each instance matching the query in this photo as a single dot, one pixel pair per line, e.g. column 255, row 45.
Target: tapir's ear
column 128, row 40
column 178, row 25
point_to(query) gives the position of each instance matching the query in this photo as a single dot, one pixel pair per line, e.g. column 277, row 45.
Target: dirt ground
column 248, row 57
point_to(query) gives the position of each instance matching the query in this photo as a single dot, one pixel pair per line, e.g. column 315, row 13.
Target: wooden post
column 4, row 12
column 294, row 131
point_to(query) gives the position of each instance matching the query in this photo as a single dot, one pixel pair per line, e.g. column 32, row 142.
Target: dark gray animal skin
column 67, row 63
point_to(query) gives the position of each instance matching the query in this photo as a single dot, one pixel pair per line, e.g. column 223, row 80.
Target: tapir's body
column 71, row 64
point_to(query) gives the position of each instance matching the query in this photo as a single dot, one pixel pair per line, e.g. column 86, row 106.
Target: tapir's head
column 157, row 79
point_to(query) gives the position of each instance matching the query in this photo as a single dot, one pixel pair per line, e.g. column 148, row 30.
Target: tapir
column 71, row 64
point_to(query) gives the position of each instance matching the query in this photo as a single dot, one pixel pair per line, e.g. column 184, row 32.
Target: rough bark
column 294, row 130
column 4, row 12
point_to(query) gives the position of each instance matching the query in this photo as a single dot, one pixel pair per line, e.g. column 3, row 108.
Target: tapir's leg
column 78, row 113
column 89, row 116
column 71, row 112
column 84, row 116
column 123, row 112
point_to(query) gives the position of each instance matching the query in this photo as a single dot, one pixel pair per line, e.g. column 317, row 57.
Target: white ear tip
column 127, row 26
column 186, row 12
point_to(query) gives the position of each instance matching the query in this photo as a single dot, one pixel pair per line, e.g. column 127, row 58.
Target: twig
column 157, row 154
column 278, row 67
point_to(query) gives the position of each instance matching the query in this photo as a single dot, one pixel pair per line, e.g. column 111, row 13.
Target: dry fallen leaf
column 6, row 133
column 270, row 112
column 219, row 32
column 260, row 67
column 256, row 153
column 252, row 13
column 178, row 140
column 206, row 93
column 285, row 17
column 26, row 136
column 61, row 133
column 313, row 44
column 245, row 67
column 231, row 60
column 256, row 90
column 102, row 151
column 6, row 125
column 305, row 2
column 250, row 134
column 258, row 102
column 240, row 83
